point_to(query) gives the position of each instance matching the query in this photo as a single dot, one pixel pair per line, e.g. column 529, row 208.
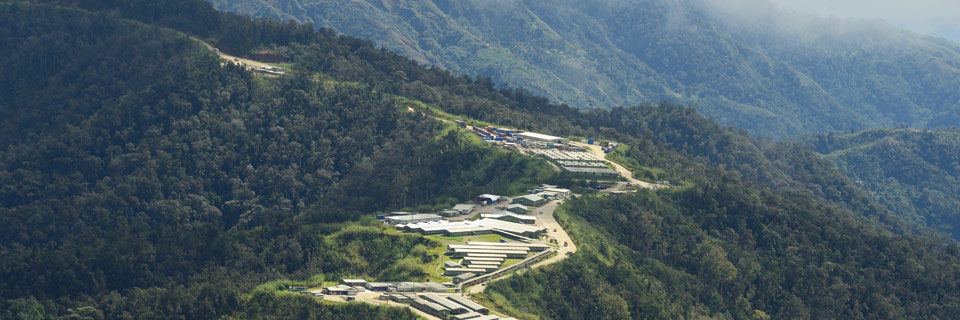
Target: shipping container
column 589, row 140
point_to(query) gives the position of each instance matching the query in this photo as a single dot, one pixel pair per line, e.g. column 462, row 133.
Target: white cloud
column 940, row 17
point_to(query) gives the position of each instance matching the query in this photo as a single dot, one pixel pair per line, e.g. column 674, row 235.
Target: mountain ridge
column 771, row 77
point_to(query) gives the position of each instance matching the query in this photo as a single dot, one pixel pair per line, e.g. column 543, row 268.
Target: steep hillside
column 913, row 173
column 726, row 250
column 771, row 72
column 144, row 178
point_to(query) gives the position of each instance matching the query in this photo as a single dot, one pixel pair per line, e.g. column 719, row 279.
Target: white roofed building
column 543, row 137
column 487, row 198
column 413, row 218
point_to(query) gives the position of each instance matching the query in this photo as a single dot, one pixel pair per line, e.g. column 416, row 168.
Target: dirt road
column 546, row 219
column 249, row 64
column 626, row 174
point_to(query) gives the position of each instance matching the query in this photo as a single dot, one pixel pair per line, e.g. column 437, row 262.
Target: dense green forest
column 142, row 178
column 772, row 72
column 912, row 172
column 726, row 250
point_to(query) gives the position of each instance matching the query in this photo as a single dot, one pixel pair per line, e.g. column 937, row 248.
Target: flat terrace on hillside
column 529, row 246
column 477, row 227
column 560, row 155
column 581, row 164
column 593, row 172
column 546, row 138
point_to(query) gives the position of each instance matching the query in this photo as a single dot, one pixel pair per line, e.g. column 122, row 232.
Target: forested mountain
column 755, row 67
column 913, row 173
column 144, row 179
column 725, row 250
column 141, row 177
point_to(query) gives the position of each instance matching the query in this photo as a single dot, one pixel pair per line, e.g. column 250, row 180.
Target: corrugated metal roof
column 429, row 305
column 508, row 244
column 466, row 303
column 443, row 302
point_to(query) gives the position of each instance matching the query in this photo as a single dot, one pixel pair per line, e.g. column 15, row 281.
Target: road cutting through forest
column 249, row 64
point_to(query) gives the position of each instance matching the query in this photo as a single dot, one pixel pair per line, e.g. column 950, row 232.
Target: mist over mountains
column 935, row 17
column 745, row 63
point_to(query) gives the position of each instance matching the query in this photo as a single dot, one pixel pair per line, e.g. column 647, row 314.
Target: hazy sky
column 941, row 17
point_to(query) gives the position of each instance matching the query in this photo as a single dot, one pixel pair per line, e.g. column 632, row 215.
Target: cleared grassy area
column 438, row 113
column 496, row 301
column 463, row 240
column 510, row 262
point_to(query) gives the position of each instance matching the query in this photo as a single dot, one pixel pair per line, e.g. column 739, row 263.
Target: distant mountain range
column 744, row 63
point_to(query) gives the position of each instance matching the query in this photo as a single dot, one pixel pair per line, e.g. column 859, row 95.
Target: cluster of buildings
column 478, row 258
column 563, row 155
column 400, row 217
column 508, row 216
column 350, row 287
column 570, row 158
column 551, row 192
column 429, row 297
column 512, row 137
column 493, row 134
column 453, row 307
column 475, row 227
column 514, row 220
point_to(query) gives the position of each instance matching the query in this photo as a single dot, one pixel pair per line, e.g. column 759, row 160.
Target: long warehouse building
column 530, row 246
column 456, row 246
column 515, row 228
column 464, row 228
column 454, row 308
column 543, row 137
column 450, row 272
column 475, row 307
column 512, row 254
column 468, row 259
